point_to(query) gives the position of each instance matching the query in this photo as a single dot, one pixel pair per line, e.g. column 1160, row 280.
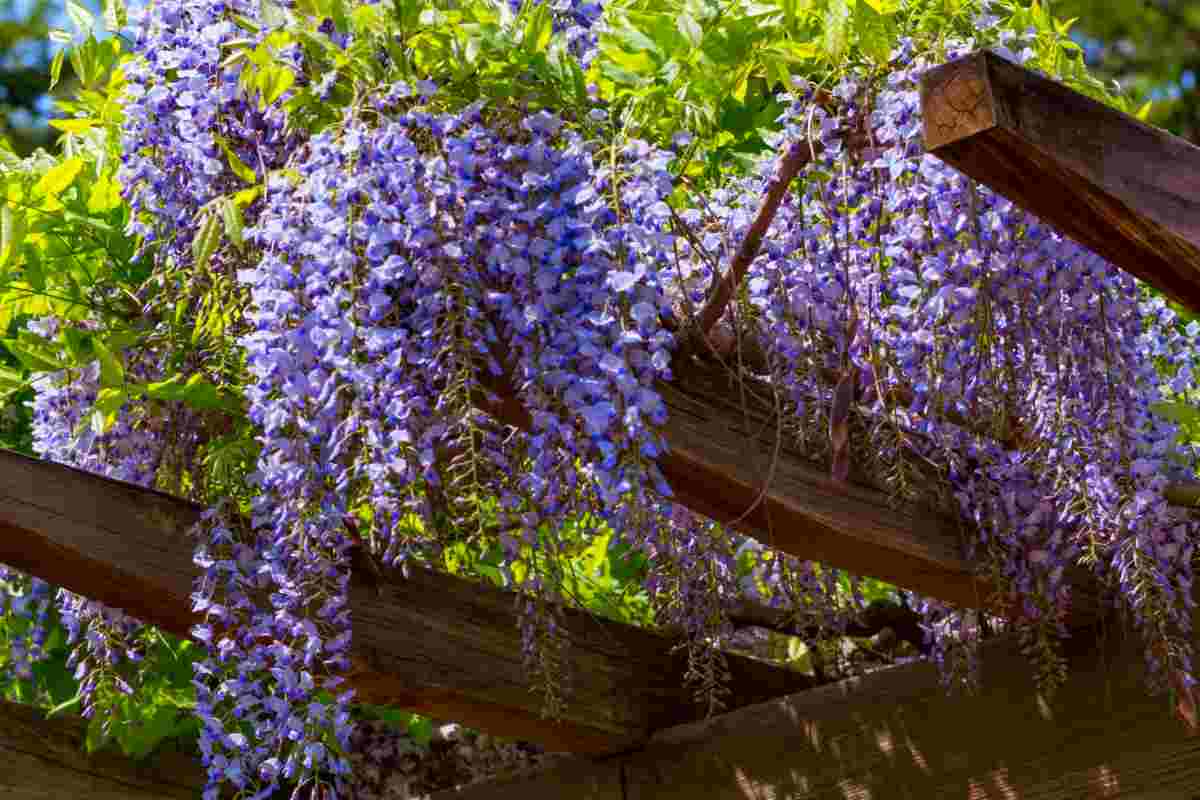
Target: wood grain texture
column 723, row 452
column 43, row 759
column 724, row 461
column 895, row 735
column 1127, row 190
column 432, row 643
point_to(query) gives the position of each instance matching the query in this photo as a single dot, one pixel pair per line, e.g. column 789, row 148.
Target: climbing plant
column 295, row 261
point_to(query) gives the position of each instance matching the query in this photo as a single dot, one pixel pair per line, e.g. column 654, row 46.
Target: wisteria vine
column 456, row 316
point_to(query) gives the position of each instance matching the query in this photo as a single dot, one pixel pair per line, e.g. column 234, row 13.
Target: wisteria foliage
column 415, row 270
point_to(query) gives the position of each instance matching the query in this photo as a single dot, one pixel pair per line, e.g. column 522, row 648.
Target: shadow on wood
column 895, row 735
column 43, row 759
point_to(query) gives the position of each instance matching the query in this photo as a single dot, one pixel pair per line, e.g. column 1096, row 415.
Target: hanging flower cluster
column 1020, row 364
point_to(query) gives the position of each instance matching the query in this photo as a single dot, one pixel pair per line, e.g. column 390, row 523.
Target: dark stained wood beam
column 1127, row 190
column 729, row 460
column 896, row 734
column 431, row 643
column 43, row 759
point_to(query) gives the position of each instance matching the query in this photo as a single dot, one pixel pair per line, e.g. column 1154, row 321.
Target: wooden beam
column 43, row 759
column 1127, row 190
column 729, row 460
column 431, row 643
column 724, row 449
column 896, row 734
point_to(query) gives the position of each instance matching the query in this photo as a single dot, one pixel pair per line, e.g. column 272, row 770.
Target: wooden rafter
column 896, row 733
column 431, row 643
column 43, row 759
column 729, row 459
column 1127, row 190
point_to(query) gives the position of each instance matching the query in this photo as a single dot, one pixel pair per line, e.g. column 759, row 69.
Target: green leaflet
column 112, row 371
column 58, row 178
column 205, row 242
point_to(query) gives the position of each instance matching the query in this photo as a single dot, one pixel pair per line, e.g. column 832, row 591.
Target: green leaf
column 272, row 14
column 539, row 28
column 234, row 224
column 35, row 353
column 1143, row 113
column 35, row 275
column 77, row 63
column 140, row 736
column 74, row 125
column 245, row 197
column 58, row 178
column 80, row 17
column 95, row 738
column 420, row 729
column 116, row 15
column 195, row 390
column 112, row 371
column 11, row 382
column 104, row 411
column 274, row 81
column 635, row 41
column 56, row 67
column 78, row 344
column 875, row 32
column 61, row 707
column 105, row 196
column 837, row 28
column 690, row 29
column 238, row 166
column 884, row 6
column 204, row 244
column 12, row 232
column 1179, row 413
column 202, row 394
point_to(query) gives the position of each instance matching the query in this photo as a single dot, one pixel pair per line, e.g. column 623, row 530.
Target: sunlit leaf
column 58, row 178
column 112, row 371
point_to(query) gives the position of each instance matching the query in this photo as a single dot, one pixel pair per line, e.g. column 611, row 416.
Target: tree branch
column 799, row 154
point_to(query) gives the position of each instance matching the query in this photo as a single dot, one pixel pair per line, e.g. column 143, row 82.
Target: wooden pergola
column 449, row 648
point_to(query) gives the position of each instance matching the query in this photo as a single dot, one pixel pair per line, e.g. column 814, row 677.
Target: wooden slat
column 896, row 735
column 723, row 448
column 43, row 759
column 431, row 643
column 1129, row 191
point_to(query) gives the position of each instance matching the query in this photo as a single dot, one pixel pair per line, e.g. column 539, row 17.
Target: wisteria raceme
column 577, row 21
column 28, row 602
column 485, row 256
column 860, row 272
column 185, row 114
